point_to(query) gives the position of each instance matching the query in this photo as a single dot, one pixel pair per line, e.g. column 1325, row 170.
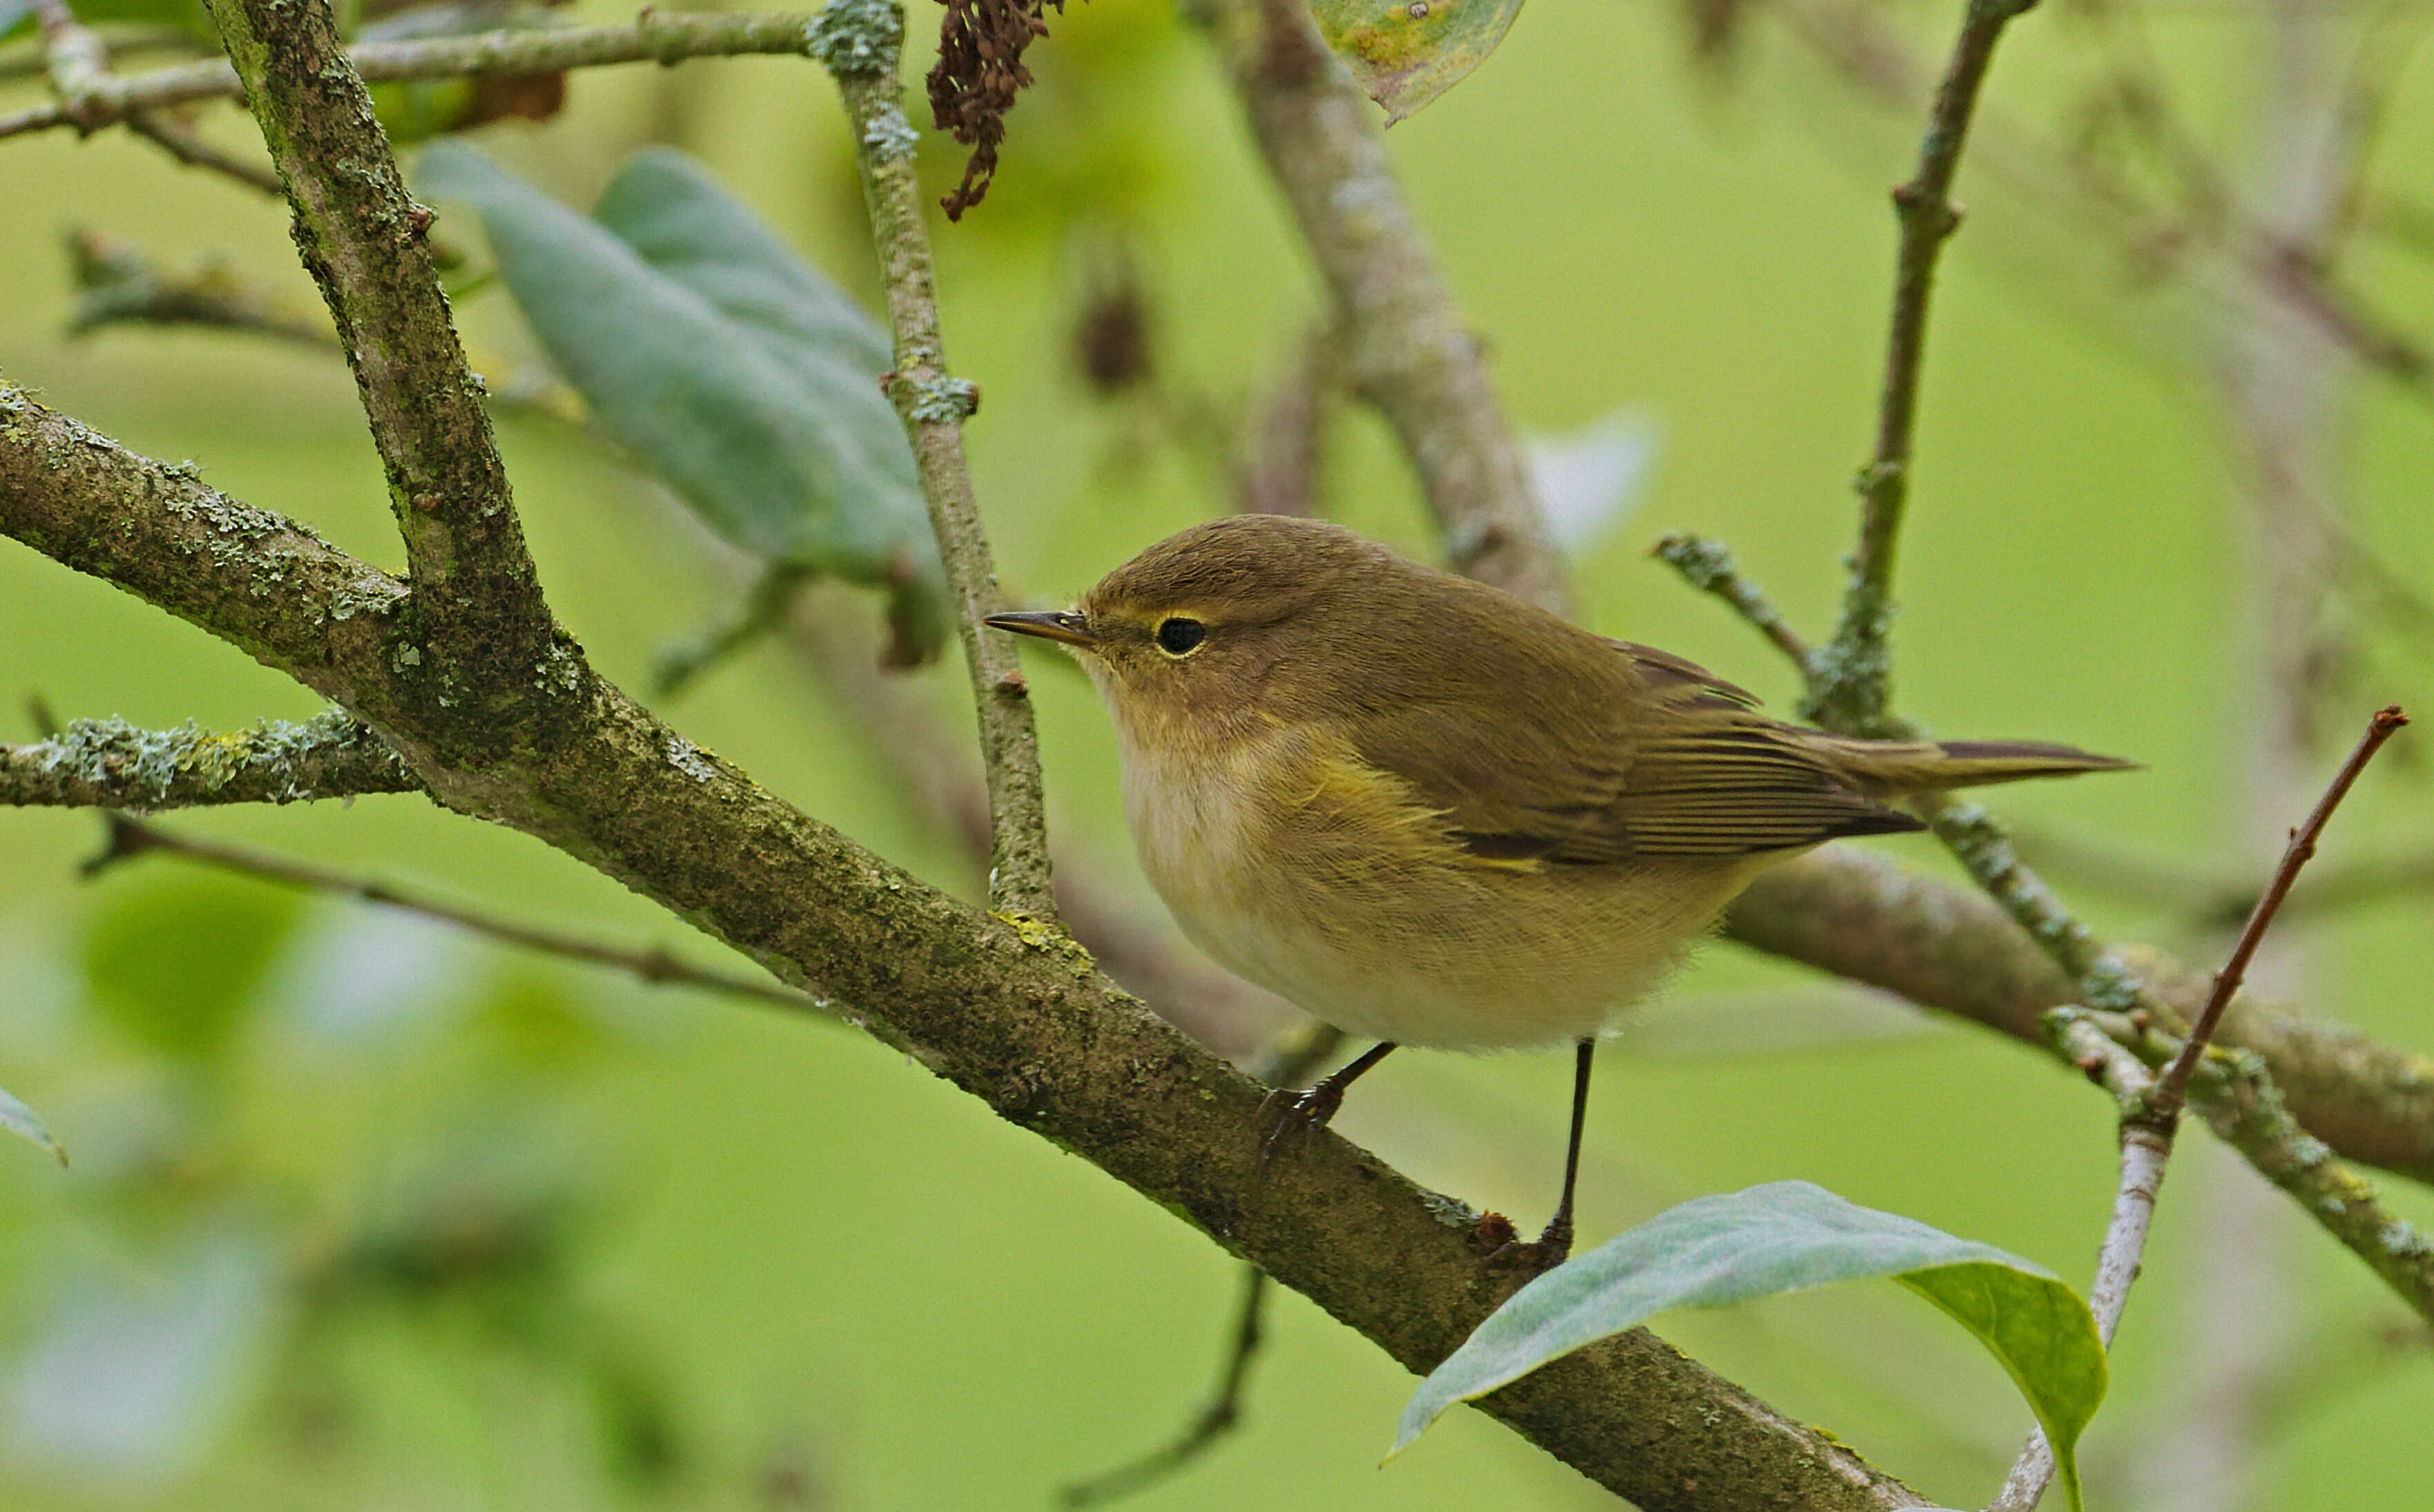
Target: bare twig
column 1856, row 41
column 1222, row 1414
column 130, row 837
column 2173, row 1085
column 654, row 37
column 189, row 148
column 2072, row 1033
column 1288, row 1062
column 2249, row 1114
column 1851, row 682
column 861, row 42
column 77, row 60
column 117, row 284
column 1710, row 566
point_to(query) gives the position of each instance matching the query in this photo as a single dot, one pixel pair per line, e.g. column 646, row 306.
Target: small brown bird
column 1431, row 813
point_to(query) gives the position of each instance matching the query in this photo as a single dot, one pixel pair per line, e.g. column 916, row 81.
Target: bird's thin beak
column 1061, row 625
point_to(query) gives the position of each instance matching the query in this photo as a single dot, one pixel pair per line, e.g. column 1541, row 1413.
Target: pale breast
column 1299, row 868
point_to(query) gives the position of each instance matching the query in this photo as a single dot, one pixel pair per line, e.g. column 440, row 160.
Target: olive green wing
column 1633, row 753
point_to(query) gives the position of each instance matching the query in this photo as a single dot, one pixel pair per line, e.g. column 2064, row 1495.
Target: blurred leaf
column 417, row 109
column 1781, row 1237
column 1588, row 481
column 1405, row 53
column 362, row 976
column 128, row 1379
column 532, row 1025
column 175, row 963
column 15, row 15
column 19, row 1119
column 745, row 379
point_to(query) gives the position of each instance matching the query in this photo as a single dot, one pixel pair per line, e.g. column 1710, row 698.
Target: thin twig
column 190, row 148
column 77, row 60
column 1287, row 1061
column 2146, row 1149
column 2173, row 1085
column 1222, row 1414
column 861, row 41
column 1853, row 39
column 130, row 837
column 1852, row 686
column 654, row 37
column 117, row 284
column 1710, row 566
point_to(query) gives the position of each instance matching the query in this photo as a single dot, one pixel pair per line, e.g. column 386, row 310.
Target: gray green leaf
column 739, row 374
column 1789, row 1236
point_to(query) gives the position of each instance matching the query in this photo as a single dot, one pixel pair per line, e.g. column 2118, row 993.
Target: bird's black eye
column 1178, row 636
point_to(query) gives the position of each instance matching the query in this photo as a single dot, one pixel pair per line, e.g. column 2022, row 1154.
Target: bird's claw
column 1289, row 1117
column 1536, row 1257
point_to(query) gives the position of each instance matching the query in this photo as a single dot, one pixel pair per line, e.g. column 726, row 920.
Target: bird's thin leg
column 1290, row 1115
column 1553, row 1244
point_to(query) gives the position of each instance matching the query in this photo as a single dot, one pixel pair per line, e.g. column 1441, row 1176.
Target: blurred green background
column 366, row 1213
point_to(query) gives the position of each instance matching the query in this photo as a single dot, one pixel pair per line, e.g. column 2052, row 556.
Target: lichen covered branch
column 485, row 630
column 112, row 764
column 861, row 42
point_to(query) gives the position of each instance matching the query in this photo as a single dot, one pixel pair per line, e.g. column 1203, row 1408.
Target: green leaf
column 19, row 1119
column 744, row 377
column 14, row 15
column 1405, row 53
column 1789, row 1236
column 175, row 963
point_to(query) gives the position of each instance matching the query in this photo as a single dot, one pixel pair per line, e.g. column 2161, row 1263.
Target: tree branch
column 255, row 579
column 655, row 37
column 861, row 42
column 486, row 634
column 1851, row 679
column 1019, row 1018
column 1408, row 350
column 112, row 764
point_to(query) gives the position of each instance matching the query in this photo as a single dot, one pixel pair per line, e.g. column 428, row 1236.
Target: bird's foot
column 1538, row 1256
column 1290, row 1116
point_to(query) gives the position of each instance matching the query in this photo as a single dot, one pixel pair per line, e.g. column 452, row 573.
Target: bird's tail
column 1886, row 768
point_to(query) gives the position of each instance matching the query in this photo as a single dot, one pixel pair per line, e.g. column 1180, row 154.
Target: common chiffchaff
column 1431, row 813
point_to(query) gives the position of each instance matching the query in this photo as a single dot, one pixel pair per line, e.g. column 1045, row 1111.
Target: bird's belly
column 1418, row 945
